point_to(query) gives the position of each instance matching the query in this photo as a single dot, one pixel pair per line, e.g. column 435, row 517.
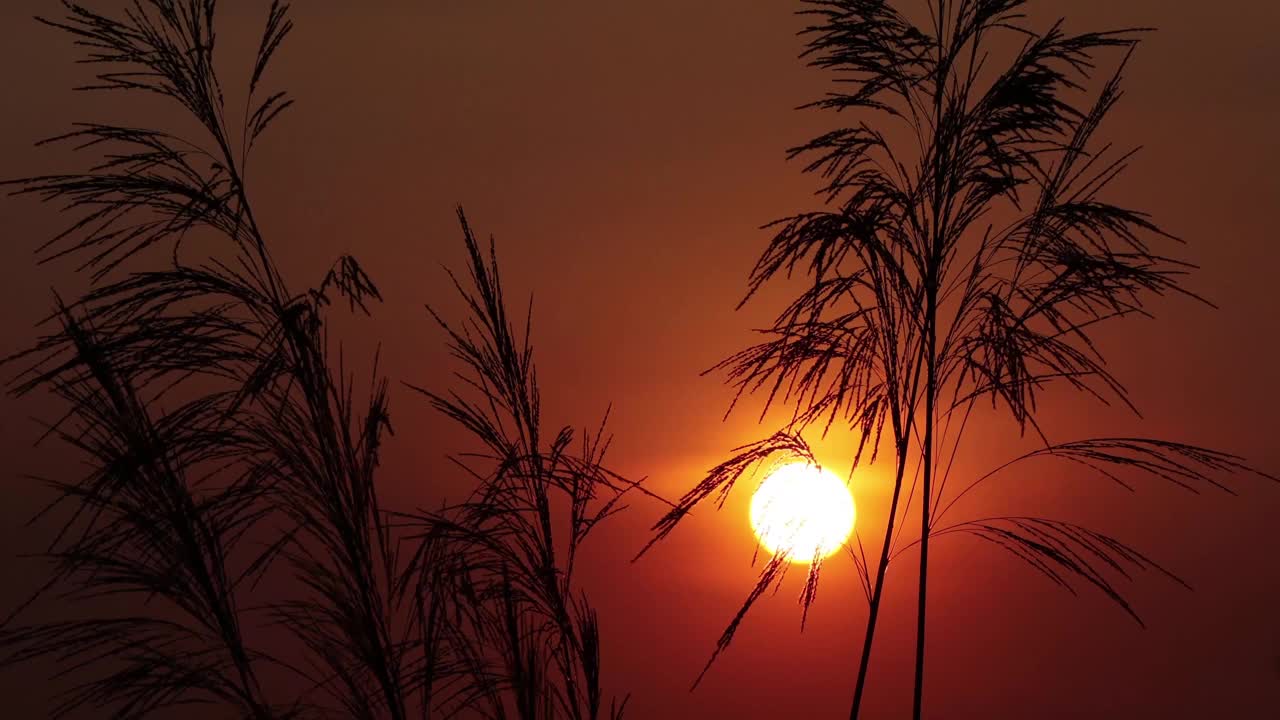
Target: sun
column 804, row 510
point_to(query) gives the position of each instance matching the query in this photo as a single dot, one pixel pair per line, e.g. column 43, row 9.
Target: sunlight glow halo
column 803, row 509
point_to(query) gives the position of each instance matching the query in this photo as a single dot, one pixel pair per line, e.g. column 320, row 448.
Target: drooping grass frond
column 870, row 45
column 752, row 459
column 1188, row 467
column 1065, row 552
column 748, row 461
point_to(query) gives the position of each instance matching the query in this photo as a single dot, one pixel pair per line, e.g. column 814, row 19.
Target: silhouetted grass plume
column 514, row 542
column 226, row 440
column 966, row 253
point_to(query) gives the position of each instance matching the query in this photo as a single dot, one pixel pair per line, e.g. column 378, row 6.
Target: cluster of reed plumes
column 227, row 443
column 965, row 254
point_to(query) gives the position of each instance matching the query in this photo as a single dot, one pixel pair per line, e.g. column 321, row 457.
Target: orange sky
column 624, row 155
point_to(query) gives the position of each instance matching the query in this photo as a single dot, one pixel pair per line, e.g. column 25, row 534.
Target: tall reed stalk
column 966, row 253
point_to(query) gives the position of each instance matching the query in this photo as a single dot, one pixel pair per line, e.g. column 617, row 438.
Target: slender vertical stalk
column 931, row 332
column 932, row 279
column 874, row 611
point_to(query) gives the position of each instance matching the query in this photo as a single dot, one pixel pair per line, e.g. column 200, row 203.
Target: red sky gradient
column 624, row 155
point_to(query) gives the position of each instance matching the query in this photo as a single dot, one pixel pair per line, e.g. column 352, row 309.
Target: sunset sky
column 624, row 156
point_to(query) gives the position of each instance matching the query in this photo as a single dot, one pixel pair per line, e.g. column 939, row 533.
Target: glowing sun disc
column 804, row 510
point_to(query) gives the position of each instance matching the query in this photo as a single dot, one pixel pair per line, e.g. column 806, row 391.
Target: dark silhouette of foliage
column 226, row 440
column 515, row 540
column 969, row 259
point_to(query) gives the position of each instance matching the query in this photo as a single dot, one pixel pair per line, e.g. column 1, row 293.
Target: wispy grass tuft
column 227, row 441
column 516, row 540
